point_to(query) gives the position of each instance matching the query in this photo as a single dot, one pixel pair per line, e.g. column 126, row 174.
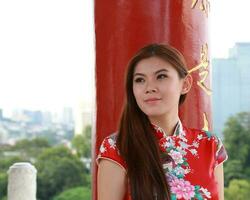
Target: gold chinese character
column 205, row 127
column 204, row 5
column 203, row 65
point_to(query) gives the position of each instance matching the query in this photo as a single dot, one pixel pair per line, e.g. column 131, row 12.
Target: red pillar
column 123, row 27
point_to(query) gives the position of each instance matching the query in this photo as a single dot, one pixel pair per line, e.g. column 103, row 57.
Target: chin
column 154, row 113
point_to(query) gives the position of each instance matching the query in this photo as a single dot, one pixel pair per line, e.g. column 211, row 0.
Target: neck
column 167, row 123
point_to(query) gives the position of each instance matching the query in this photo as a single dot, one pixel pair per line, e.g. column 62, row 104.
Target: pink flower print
column 183, row 138
column 111, row 143
column 184, row 145
column 187, row 170
column 195, row 144
column 162, row 144
column 199, row 136
column 169, row 143
column 179, row 171
column 170, row 177
column 168, row 166
column 177, row 156
column 102, row 149
column 182, row 151
column 193, row 151
column 182, row 189
column 205, row 192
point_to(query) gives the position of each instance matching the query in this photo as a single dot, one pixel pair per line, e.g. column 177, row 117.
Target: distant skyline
column 47, row 49
column 231, row 78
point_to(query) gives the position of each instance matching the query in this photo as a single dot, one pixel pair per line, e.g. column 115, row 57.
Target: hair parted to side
column 136, row 142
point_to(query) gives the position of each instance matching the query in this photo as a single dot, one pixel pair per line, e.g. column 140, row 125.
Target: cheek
column 171, row 89
column 135, row 90
column 137, row 93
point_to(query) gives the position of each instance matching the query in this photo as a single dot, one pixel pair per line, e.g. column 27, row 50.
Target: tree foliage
column 30, row 149
column 77, row 193
column 3, row 184
column 58, row 170
column 238, row 190
column 237, row 143
column 82, row 143
column 237, row 137
column 6, row 162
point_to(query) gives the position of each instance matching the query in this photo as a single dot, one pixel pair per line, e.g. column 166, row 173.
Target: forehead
column 152, row 64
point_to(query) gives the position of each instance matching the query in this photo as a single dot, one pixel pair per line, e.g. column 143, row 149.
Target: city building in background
column 83, row 117
column 231, row 85
column 1, row 114
column 67, row 116
column 57, row 127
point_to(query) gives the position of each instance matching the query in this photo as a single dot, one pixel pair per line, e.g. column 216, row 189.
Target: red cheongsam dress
column 195, row 155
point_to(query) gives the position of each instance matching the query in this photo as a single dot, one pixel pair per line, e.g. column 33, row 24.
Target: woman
column 153, row 156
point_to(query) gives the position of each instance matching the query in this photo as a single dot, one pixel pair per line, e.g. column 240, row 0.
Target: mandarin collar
column 178, row 131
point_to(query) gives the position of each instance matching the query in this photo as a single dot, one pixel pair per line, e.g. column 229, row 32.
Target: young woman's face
column 157, row 87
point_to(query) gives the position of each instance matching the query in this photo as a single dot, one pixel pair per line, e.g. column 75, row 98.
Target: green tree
column 82, row 143
column 237, row 140
column 234, row 170
column 238, row 190
column 23, row 151
column 52, row 137
column 3, row 184
column 30, row 149
column 237, row 137
column 6, row 162
column 77, row 193
column 58, row 170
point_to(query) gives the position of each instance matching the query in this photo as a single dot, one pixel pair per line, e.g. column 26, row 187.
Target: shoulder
column 209, row 142
column 109, row 142
column 109, row 151
column 201, row 135
column 111, row 174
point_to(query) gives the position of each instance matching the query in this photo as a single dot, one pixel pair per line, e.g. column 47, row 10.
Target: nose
column 151, row 88
column 151, row 91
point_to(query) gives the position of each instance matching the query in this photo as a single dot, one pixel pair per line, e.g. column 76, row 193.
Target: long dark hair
column 136, row 142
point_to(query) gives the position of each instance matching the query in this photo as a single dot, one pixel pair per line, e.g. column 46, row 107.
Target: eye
column 139, row 80
column 162, row 76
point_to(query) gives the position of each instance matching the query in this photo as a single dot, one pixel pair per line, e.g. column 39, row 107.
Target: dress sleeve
column 108, row 150
column 221, row 154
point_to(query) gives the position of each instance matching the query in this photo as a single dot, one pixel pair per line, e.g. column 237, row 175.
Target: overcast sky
column 46, row 53
column 47, row 49
column 229, row 21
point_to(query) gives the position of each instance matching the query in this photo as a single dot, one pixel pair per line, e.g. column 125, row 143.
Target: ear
column 187, row 84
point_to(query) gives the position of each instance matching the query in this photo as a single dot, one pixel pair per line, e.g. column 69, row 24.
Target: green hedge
column 77, row 193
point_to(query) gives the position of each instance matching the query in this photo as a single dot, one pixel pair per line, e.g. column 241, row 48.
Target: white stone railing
column 22, row 181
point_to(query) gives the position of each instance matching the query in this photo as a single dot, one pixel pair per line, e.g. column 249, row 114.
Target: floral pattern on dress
column 178, row 147
column 176, row 171
column 180, row 167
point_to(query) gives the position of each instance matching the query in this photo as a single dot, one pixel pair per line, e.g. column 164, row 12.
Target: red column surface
column 124, row 26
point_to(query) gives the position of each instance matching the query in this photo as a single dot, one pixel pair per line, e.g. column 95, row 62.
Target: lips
column 151, row 100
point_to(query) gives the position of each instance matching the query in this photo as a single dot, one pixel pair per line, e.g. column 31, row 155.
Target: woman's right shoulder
column 109, row 151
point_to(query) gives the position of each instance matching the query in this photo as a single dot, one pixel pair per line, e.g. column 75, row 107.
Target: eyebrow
column 158, row 71
column 161, row 70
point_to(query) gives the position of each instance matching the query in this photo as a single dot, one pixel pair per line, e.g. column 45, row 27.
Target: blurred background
column 47, row 93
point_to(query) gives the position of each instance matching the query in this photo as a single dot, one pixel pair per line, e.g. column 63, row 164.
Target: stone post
column 22, row 182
